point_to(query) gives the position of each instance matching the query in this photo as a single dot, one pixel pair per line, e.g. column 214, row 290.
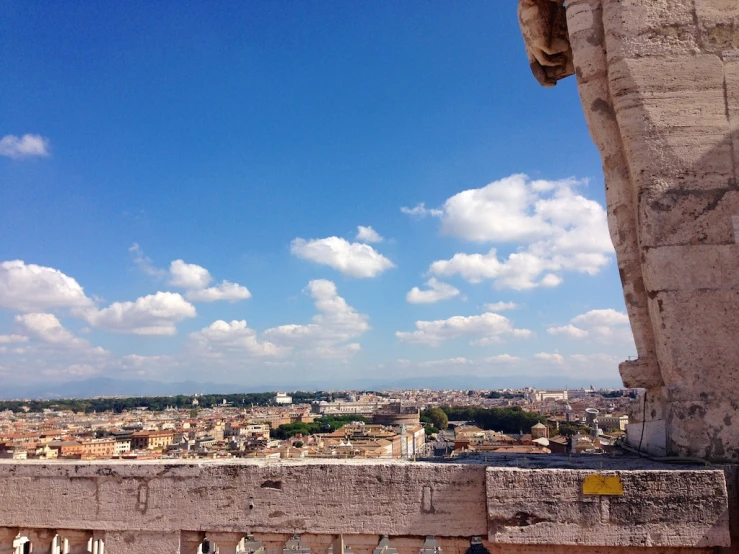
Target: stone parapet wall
column 503, row 509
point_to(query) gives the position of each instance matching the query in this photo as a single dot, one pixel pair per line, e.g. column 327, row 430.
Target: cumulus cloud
column 10, row 339
column 607, row 325
column 48, row 332
column 353, row 259
column 191, row 277
column 420, row 211
column 341, row 353
column 335, row 323
column 46, row 328
column 222, row 338
column 446, row 362
column 437, row 291
column 500, row 306
column 553, row 229
column 188, row 276
column 368, row 234
column 485, row 328
column 27, row 146
column 568, row 331
column 225, row 291
column 155, row 314
column 29, row 287
column 551, row 357
column 502, row 359
column 144, row 263
column 329, row 336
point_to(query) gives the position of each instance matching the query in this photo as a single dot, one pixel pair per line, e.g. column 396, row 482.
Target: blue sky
column 181, row 189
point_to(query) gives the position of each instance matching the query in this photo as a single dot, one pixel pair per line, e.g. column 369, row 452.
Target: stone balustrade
column 360, row 507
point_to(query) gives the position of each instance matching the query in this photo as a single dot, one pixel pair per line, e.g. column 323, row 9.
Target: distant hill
column 105, row 386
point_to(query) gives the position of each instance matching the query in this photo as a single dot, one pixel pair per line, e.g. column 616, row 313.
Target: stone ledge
column 675, row 508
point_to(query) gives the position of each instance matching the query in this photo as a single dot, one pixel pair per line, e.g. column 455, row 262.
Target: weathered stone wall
column 659, row 83
column 512, row 510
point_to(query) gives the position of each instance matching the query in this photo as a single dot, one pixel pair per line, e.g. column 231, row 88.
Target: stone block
column 705, row 358
column 656, row 29
column 548, row 506
column 673, row 123
column 718, row 24
column 688, row 218
column 691, row 267
column 323, row 498
column 648, row 436
column 136, row 542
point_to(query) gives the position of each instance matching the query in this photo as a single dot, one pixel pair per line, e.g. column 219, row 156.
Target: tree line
column 326, row 424
column 506, row 420
column 159, row 403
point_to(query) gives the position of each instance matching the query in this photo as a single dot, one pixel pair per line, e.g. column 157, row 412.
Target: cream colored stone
column 143, row 542
column 659, row 83
column 358, row 502
column 385, row 497
column 644, row 516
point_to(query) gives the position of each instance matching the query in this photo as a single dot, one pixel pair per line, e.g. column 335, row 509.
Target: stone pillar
column 274, row 543
column 77, row 541
column 7, row 536
column 42, row 540
column 190, row 541
column 226, row 542
column 659, row 82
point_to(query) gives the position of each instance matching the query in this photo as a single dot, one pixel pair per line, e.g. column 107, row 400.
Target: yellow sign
column 610, row 485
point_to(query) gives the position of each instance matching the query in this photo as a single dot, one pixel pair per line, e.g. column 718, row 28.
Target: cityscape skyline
column 412, row 209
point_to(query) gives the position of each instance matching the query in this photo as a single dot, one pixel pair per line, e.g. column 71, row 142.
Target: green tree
column 439, row 419
column 567, row 429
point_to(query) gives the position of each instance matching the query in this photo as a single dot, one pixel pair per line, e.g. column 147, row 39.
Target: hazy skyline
column 291, row 193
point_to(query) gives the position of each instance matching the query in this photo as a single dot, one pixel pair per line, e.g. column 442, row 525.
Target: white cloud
column 568, row 331
column 326, row 337
column 447, row 362
column 368, row 234
column 191, row 277
column 502, row 359
column 29, row 287
column 353, row 259
column 144, row 263
column 554, row 229
column 73, row 370
column 437, row 291
column 597, row 359
column 553, row 357
column 48, row 330
column 10, row 339
column 336, row 322
column 500, row 306
column 598, row 318
column 155, row 314
column 188, row 276
column 420, row 211
column 485, row 328
column 225, row 291
column 26, row 146
column 145, row 365
column 235, row 338
column 607, row 325
column 340, row 353
column 596, row 364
